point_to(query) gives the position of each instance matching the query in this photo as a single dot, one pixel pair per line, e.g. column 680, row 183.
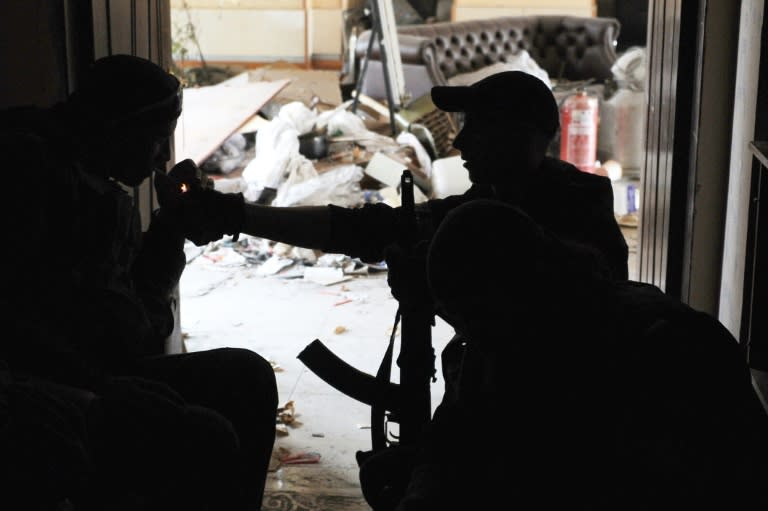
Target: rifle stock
column 347, row 379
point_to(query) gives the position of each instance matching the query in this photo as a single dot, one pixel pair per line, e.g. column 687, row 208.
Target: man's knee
column 248, row 374
column 247, row 396
column 241, row 361
column 207, row 435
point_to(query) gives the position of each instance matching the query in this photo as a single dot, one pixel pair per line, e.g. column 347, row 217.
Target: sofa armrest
column 575, row 48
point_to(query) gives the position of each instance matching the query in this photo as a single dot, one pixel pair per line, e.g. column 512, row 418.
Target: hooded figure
column 617, row 396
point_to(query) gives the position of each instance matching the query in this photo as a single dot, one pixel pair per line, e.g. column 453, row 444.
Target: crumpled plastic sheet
column 341, row 121
column 630, row 68
column 298, row 116
column 279, row 165
column 228, row 156
column 339, row 186
column 277, row 153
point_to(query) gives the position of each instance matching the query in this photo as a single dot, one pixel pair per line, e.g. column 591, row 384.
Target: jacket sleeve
column 582, row 212
column 606, row 234
column 367, row 231
column 156, row 272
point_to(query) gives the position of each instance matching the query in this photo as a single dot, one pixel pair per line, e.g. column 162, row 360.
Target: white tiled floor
column 231, row 305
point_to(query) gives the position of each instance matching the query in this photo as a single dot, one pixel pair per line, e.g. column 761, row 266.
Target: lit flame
column 184, row 188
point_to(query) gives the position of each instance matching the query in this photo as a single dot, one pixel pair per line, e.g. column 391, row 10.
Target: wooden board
column 305, row 83
column 211, row 114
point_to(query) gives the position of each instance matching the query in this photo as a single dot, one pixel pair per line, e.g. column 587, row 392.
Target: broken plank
column 211, row 114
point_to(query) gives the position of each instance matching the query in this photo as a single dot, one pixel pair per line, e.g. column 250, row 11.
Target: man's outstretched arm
column 303, row 226
column 358, row 232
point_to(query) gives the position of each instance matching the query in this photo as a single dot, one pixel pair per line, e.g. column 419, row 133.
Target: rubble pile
column 301, row 149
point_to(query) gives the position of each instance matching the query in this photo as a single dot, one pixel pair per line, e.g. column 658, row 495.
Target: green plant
column 184, row 36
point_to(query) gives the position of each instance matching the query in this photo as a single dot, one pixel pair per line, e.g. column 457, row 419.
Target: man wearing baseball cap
column 510, row 119
column 509, row 116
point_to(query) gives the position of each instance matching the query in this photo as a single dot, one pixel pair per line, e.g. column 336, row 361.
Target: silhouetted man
column 90, row 303
column 577, row 390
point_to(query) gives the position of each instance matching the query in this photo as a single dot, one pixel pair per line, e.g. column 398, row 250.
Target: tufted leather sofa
column 567, row 47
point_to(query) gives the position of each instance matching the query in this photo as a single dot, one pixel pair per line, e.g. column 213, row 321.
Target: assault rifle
column 408, row 403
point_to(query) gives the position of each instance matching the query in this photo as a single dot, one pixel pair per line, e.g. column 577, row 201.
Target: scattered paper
column 331, row 260
column 325, row 276
column 224, row 256
column 286, row 413
column 385, row 169
column 273, row 265
column 274, row 460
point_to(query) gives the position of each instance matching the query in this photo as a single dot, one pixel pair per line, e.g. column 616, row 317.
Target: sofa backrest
column 567, row 47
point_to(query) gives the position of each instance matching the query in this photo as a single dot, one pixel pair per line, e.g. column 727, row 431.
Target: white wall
column 267, row 30
column 245, row 35
column 480, row 9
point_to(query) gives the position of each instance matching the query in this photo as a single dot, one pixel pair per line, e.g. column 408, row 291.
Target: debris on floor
column 274, row 460
column 281, row 260
column 283, row 456
column 324, row 275
column 229, row 156
column 275, row 264
column 300, row 458
column 286, row 417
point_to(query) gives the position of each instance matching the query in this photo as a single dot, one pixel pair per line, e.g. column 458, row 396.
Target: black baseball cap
column 515, row 94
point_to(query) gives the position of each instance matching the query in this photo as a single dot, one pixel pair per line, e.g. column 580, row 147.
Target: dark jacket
column 90, row 290
column 572, row 204
column 621, row 399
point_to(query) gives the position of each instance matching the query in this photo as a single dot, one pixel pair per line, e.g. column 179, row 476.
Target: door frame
column 692, row 64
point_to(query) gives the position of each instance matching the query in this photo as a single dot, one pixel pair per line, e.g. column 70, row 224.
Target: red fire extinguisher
column 578, row 134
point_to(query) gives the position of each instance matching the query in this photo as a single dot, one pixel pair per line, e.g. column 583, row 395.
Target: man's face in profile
column 134, row 156
column 496, row 148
